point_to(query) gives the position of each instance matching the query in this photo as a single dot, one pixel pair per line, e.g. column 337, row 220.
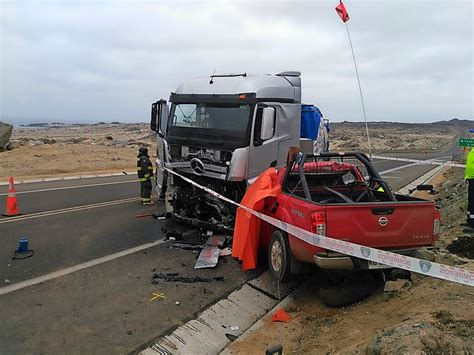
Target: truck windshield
column 229, row 117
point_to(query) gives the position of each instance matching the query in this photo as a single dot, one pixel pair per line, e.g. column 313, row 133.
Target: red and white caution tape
column 418, row 161
column 424, row 267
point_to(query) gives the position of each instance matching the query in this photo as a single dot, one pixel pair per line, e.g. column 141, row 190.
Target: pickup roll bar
column 362, row 157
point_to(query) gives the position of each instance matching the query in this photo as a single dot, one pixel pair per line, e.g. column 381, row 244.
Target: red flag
column 342, row 12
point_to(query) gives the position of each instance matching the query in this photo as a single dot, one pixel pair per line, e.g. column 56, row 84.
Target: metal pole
column 360, row 91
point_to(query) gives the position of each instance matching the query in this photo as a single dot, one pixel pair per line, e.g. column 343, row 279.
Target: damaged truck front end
column 207, row 141
column 194, row 206
column 222, row 133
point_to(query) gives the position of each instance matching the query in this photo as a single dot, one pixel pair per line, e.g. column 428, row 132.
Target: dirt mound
column 445, row 337
column 463, row 246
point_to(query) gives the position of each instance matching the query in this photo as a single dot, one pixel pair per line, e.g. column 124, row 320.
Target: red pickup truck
column 342, row 196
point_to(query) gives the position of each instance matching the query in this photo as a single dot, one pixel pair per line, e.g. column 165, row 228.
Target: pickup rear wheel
column 279, row 255
column 352, row 289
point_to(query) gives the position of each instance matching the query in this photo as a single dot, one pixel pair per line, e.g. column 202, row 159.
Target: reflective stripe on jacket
column 470, row 165
column 144, row 168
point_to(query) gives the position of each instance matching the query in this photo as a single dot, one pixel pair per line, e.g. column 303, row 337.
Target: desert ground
column 106, row 148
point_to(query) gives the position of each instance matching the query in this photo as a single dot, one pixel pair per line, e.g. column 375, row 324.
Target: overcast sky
column 89, row 61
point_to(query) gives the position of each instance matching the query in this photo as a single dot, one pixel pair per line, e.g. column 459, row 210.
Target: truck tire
column 279, row 256
column 354, row 289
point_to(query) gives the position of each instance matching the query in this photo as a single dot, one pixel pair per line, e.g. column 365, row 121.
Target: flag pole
column 360, row 90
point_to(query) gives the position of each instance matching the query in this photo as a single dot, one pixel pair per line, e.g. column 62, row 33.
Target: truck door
column 264, row 144
column 159, row 124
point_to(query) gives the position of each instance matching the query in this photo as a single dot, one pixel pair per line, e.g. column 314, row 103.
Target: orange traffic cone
column 12, row 206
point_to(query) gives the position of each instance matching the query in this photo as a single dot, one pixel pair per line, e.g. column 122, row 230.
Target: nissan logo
column 197, row 166
column 383, row 221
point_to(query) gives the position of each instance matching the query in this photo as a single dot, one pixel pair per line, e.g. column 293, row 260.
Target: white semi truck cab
column 222, row 132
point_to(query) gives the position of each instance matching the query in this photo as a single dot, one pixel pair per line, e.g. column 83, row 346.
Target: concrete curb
column 262, row 321
column 64, row 178
column 207, row 334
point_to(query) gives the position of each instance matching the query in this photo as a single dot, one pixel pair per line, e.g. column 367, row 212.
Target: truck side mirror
column 268, row 123
column 156, row 115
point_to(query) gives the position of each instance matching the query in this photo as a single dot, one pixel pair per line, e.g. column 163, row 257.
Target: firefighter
column 469, row 176
column 145, row 175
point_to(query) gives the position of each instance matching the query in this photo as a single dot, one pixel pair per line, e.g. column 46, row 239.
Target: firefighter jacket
column 470, row 165
column 144, row 168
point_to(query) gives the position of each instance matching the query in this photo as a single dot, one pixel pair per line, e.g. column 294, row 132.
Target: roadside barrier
column 427, row 162
column 423, row 267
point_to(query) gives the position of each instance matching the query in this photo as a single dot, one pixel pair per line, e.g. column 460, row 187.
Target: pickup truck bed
column 343, row 197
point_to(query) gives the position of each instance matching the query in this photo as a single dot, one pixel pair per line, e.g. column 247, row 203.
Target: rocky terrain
column 42, row 150
column 423, row 315
column 74, row 150
column 391, row 137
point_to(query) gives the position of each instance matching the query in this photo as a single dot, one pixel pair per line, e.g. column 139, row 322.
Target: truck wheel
column 354, row 289
column 279, row 255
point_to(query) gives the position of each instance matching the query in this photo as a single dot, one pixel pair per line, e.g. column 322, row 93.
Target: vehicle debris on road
column 175, row 277
column 281, row 315
column 208, row 257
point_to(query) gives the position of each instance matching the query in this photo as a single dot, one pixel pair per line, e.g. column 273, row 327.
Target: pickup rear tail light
column 436, row 225
column 318, row 223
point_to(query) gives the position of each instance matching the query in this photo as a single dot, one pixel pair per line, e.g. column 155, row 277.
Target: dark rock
column 5, row 134
column 463, row 246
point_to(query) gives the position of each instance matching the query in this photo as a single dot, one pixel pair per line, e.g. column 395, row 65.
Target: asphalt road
column 105, row 308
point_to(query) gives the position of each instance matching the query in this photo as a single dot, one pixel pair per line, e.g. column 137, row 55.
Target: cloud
column 108, row 60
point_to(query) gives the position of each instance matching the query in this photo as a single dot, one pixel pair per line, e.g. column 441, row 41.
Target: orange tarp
column 247, row 226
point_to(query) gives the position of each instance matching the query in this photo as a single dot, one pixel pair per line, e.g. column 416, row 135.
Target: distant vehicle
column 342, row 196
column 224, row 131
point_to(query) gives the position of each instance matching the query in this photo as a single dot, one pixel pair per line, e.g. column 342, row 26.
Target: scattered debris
column 225, row 252
column 208, row 258
column 173, row 235
column 174, row 277
column 281, row 315
column 159, row 216
column 187, row 245
column 231, row 337
column 216, row 240
column 143, row 215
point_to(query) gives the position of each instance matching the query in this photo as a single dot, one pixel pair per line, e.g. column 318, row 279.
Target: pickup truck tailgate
column 382, row 225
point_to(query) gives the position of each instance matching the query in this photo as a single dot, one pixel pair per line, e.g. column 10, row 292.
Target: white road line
column 72, row 187
column 70, row 270
column 67, row 210
column 61, row 178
